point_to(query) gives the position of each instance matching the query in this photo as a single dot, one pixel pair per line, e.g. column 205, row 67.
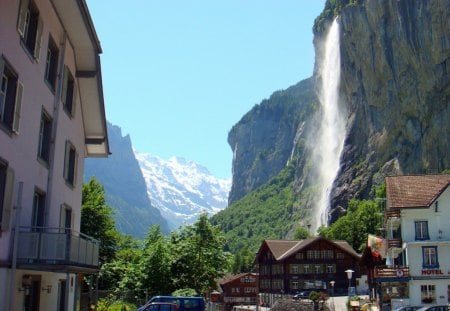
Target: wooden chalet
column 239, row 289
column 289, row 267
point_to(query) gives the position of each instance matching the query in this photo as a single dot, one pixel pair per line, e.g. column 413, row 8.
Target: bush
column 106, row 305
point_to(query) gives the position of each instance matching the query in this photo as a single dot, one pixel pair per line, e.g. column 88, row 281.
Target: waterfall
column 331, row 134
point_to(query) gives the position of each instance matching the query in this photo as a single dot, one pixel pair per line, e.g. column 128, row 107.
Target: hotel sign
column 433, row 272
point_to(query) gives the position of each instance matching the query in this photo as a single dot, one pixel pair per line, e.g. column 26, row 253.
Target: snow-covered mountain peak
column 182, row 189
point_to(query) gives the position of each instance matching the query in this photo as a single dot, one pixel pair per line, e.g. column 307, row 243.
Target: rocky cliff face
column 395, row 58
column 125, row 187
column 267, row 137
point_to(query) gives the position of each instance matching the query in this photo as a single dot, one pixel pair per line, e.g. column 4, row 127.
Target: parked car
column 302, row 295
column 160, row 306
column 408, row 308
column 183, row 303
column 435, row 308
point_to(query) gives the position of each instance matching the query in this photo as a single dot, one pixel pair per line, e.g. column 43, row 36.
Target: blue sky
column 177, row 75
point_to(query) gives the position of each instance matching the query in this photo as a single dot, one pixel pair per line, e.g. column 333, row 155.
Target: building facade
column 319, row 264
column 417, row 221
column 240, row 289
column 51, row 117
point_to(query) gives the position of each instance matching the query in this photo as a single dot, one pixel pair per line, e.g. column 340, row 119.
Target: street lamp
column 332, row 288
column 332, row 293
column 349, row 277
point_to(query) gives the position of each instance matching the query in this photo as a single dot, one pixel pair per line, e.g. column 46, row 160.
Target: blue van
column 183, row 303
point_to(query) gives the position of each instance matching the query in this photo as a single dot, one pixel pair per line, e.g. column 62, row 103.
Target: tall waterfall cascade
column 331, row 133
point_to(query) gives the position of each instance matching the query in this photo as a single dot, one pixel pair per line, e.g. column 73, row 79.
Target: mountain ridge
column 182, row 189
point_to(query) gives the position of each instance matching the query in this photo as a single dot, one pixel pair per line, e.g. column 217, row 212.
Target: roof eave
column 78, row 25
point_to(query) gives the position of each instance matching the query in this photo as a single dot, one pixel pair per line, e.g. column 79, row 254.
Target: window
column 421, row 230
column 327, row 254
column 293, row 284
column 429, row 255
column 6, row 190
column 51, row 63
column 294, row 269
column 29, row 26
column 68, row 92
column 44, row 137
column 331, row 269
column 277, row 284
column 299, row 256
column 305, row 268
column 38, row 219
column 10, row 97
column 318, row 269
column 448, row 293
column 70, row 164
column 428, row 293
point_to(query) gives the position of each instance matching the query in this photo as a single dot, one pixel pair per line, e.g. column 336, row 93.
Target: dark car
column 183, row 303
column 408, row 308
column 160, row 306
column 435, row 308
column 302, row 295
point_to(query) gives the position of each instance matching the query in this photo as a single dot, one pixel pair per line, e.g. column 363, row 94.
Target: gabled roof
column 233, row 277
column 414, row 191
column 282, row 249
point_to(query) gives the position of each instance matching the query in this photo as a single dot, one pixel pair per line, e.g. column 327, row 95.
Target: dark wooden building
column 320, row 264
column 239, row 289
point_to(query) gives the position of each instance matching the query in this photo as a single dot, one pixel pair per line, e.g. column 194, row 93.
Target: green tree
column 242, row 261
column 155, row 262
column 97, row 219
column 301, row 233
column 123, row 273
column 199, row 256
column 363, row 217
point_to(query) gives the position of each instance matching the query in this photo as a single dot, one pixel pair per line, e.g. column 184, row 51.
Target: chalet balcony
column 394, row 213
column 394, row 243
column 391, row 272
column 57, row 249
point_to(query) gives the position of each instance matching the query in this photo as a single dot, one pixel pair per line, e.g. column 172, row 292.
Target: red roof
column 414, row 190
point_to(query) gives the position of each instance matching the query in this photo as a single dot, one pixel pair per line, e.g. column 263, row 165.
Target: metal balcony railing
column 57, row 246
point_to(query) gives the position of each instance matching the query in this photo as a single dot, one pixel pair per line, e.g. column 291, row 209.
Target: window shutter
column 37, row 45
column 7, row 203
column 1, row 67
column 75, row 167
column 74, row 98
column 64, row 86
column 17, row 107
column 22, row 18
column 67, row 161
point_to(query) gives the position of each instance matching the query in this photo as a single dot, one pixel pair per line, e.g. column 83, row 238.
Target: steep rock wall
column 395, row 83
column 268, row 136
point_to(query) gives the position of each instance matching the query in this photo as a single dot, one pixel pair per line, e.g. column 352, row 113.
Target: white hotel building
column 51, row 117
column 417, row 220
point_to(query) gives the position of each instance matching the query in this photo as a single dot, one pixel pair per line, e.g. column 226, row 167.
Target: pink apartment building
column 51, row 117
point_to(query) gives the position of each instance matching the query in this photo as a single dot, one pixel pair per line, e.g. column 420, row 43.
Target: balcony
column 55, row 249
column 394, row 243
column 393, row 213
column 391, row 272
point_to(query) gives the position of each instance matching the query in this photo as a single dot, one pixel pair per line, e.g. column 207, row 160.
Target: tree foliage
column 266, row 213
column 363, row 217
column 199, row 259
column 301, row 233
column 97, row 219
